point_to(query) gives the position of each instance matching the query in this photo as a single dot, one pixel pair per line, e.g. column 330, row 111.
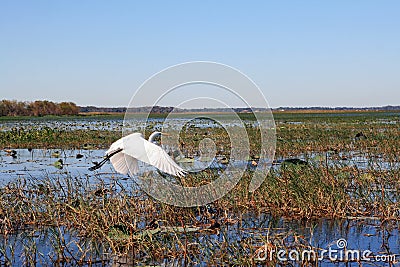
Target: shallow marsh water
column 380, row 241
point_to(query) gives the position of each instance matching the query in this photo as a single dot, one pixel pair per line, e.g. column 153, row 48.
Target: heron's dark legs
column 98, row 165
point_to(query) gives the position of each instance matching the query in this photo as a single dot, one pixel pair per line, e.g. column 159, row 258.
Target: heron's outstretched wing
column 121, row 162
column 125, row 164
column 134, row 145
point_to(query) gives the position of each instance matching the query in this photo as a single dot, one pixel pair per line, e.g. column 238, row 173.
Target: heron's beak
column 165, row 134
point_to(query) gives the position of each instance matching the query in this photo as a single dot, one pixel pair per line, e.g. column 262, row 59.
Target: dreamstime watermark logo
column 225, row 80
column 339, row 254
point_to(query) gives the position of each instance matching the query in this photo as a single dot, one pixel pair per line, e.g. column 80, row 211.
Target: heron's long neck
column 153, row 136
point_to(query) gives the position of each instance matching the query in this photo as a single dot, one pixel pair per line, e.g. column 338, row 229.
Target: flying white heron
column 125, row 153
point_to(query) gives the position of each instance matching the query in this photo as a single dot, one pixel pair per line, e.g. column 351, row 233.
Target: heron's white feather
column 135, row 147
column 124, row 164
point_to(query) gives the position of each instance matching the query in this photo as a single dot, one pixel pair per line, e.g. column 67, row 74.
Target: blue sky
column 300, row 53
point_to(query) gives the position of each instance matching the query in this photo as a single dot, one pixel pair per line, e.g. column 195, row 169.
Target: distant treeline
column 43, row 108
column 384, row 108
column 37, row 108
column 93, row 109
column 163, row 110
column 148, row 109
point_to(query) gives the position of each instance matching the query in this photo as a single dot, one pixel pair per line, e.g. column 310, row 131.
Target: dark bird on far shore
column 295, row 161
column 360, row 135
column 12, row 153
